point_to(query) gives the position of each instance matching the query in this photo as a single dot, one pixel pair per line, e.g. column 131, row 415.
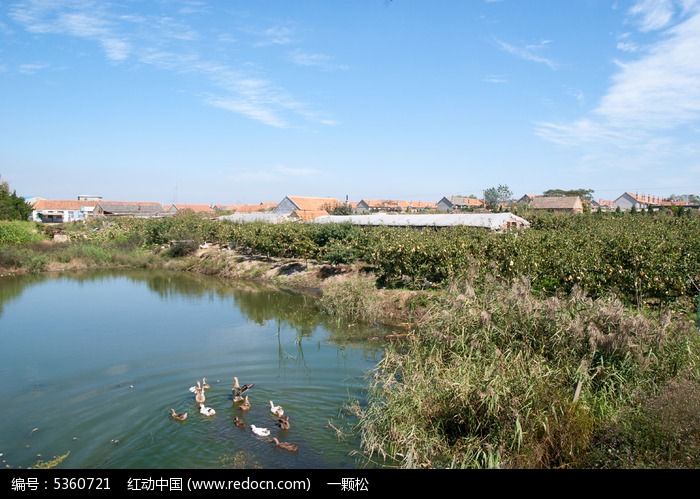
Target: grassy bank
column 495, row 376
column 570, row 345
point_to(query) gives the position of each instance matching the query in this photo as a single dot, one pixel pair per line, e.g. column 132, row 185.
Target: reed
column 497, row 377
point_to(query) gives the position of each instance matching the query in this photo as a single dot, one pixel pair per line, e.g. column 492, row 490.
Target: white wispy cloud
column 495, row 79
column 660, row 90
column 275, row 35
column 653, row 14
column 321, row 61
column 528, row 52
column 32, row 68
column 168, row 42
column 650, row 97
column 79, row 18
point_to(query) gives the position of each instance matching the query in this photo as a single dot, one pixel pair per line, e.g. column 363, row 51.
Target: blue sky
column 222, row 102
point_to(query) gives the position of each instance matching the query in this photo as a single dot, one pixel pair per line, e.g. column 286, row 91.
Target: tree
column 12, row 206
column 586, row 194
column 342, row 209
column 494, row 196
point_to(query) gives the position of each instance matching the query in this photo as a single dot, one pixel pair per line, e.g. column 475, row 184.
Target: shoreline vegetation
column 572, row 344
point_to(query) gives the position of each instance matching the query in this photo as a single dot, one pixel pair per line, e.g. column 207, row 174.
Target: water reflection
column 93, row 357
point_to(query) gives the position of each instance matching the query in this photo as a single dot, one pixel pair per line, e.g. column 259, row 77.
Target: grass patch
column 496, row 377
column 352, row 298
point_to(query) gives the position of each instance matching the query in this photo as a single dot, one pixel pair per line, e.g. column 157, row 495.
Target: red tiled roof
column 429, row 205
column 251, row 208
column 310, row 214
column 199, row 208
column 57, row 204
column 314, row 204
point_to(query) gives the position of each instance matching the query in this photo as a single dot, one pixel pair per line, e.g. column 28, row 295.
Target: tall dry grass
column 496, row 377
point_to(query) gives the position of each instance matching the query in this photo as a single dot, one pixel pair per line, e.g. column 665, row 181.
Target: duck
column 276, row 409
column 261, row 432
column 199, row 396
column 175, row 415
column 238, row 422
column 283, row 422
column 207, row 411
column 245, row 406
column 205, row 385
column 285, row 445
column 240, row 389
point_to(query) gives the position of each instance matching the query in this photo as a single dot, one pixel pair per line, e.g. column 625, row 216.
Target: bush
column 15, row 232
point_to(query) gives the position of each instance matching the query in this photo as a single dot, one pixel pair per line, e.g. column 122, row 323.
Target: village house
column 458, row 203
column 246, row 208
column 292, row 204
column 640, row 202
column 602, row 205
column 61, row 211
column 197, row 208
column 527, row 198
column 140, row 209
column 557, row 204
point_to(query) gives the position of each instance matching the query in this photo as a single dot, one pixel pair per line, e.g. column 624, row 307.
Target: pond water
column 91, row 363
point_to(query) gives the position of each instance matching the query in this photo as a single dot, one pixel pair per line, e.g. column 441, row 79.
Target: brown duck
column 285, row 445
column 180, row 417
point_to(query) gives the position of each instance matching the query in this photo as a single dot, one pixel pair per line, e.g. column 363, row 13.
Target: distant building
column 61, row 211
column 246, row 208
column 639, row 202
column 527, row 198
column 458, row 203
column 602, row 205
column 290, row 204
column 197, row 208
column 306, row 215
column 140, row 209
column 380, row 206
column 558, row 204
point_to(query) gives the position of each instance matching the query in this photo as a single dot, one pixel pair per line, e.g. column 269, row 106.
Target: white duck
column 261, row 432
column 276, row 409
column 207, row 411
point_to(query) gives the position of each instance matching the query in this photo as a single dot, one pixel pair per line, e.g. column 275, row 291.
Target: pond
column 91, row 364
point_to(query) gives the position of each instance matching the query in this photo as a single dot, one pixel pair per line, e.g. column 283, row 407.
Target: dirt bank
column 400, row 308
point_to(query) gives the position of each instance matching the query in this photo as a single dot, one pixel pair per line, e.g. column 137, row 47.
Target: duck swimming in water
column 245, row 406
column 283, row 422
column 175, row 415
column 261, row 432
column 238, row 422
column 199, row 395
column 207, row 411
column 285, row 445
column 239, row 390
column 276, row 409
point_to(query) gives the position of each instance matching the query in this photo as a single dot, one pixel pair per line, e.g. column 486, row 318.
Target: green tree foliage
column 342, row 209
column 582, row 193
column 494, row 196
column 12, row 206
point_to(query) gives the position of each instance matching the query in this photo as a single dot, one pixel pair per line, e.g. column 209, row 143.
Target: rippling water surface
column 90, row 365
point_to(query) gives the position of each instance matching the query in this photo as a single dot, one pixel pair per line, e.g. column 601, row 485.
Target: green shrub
column 16, row 232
